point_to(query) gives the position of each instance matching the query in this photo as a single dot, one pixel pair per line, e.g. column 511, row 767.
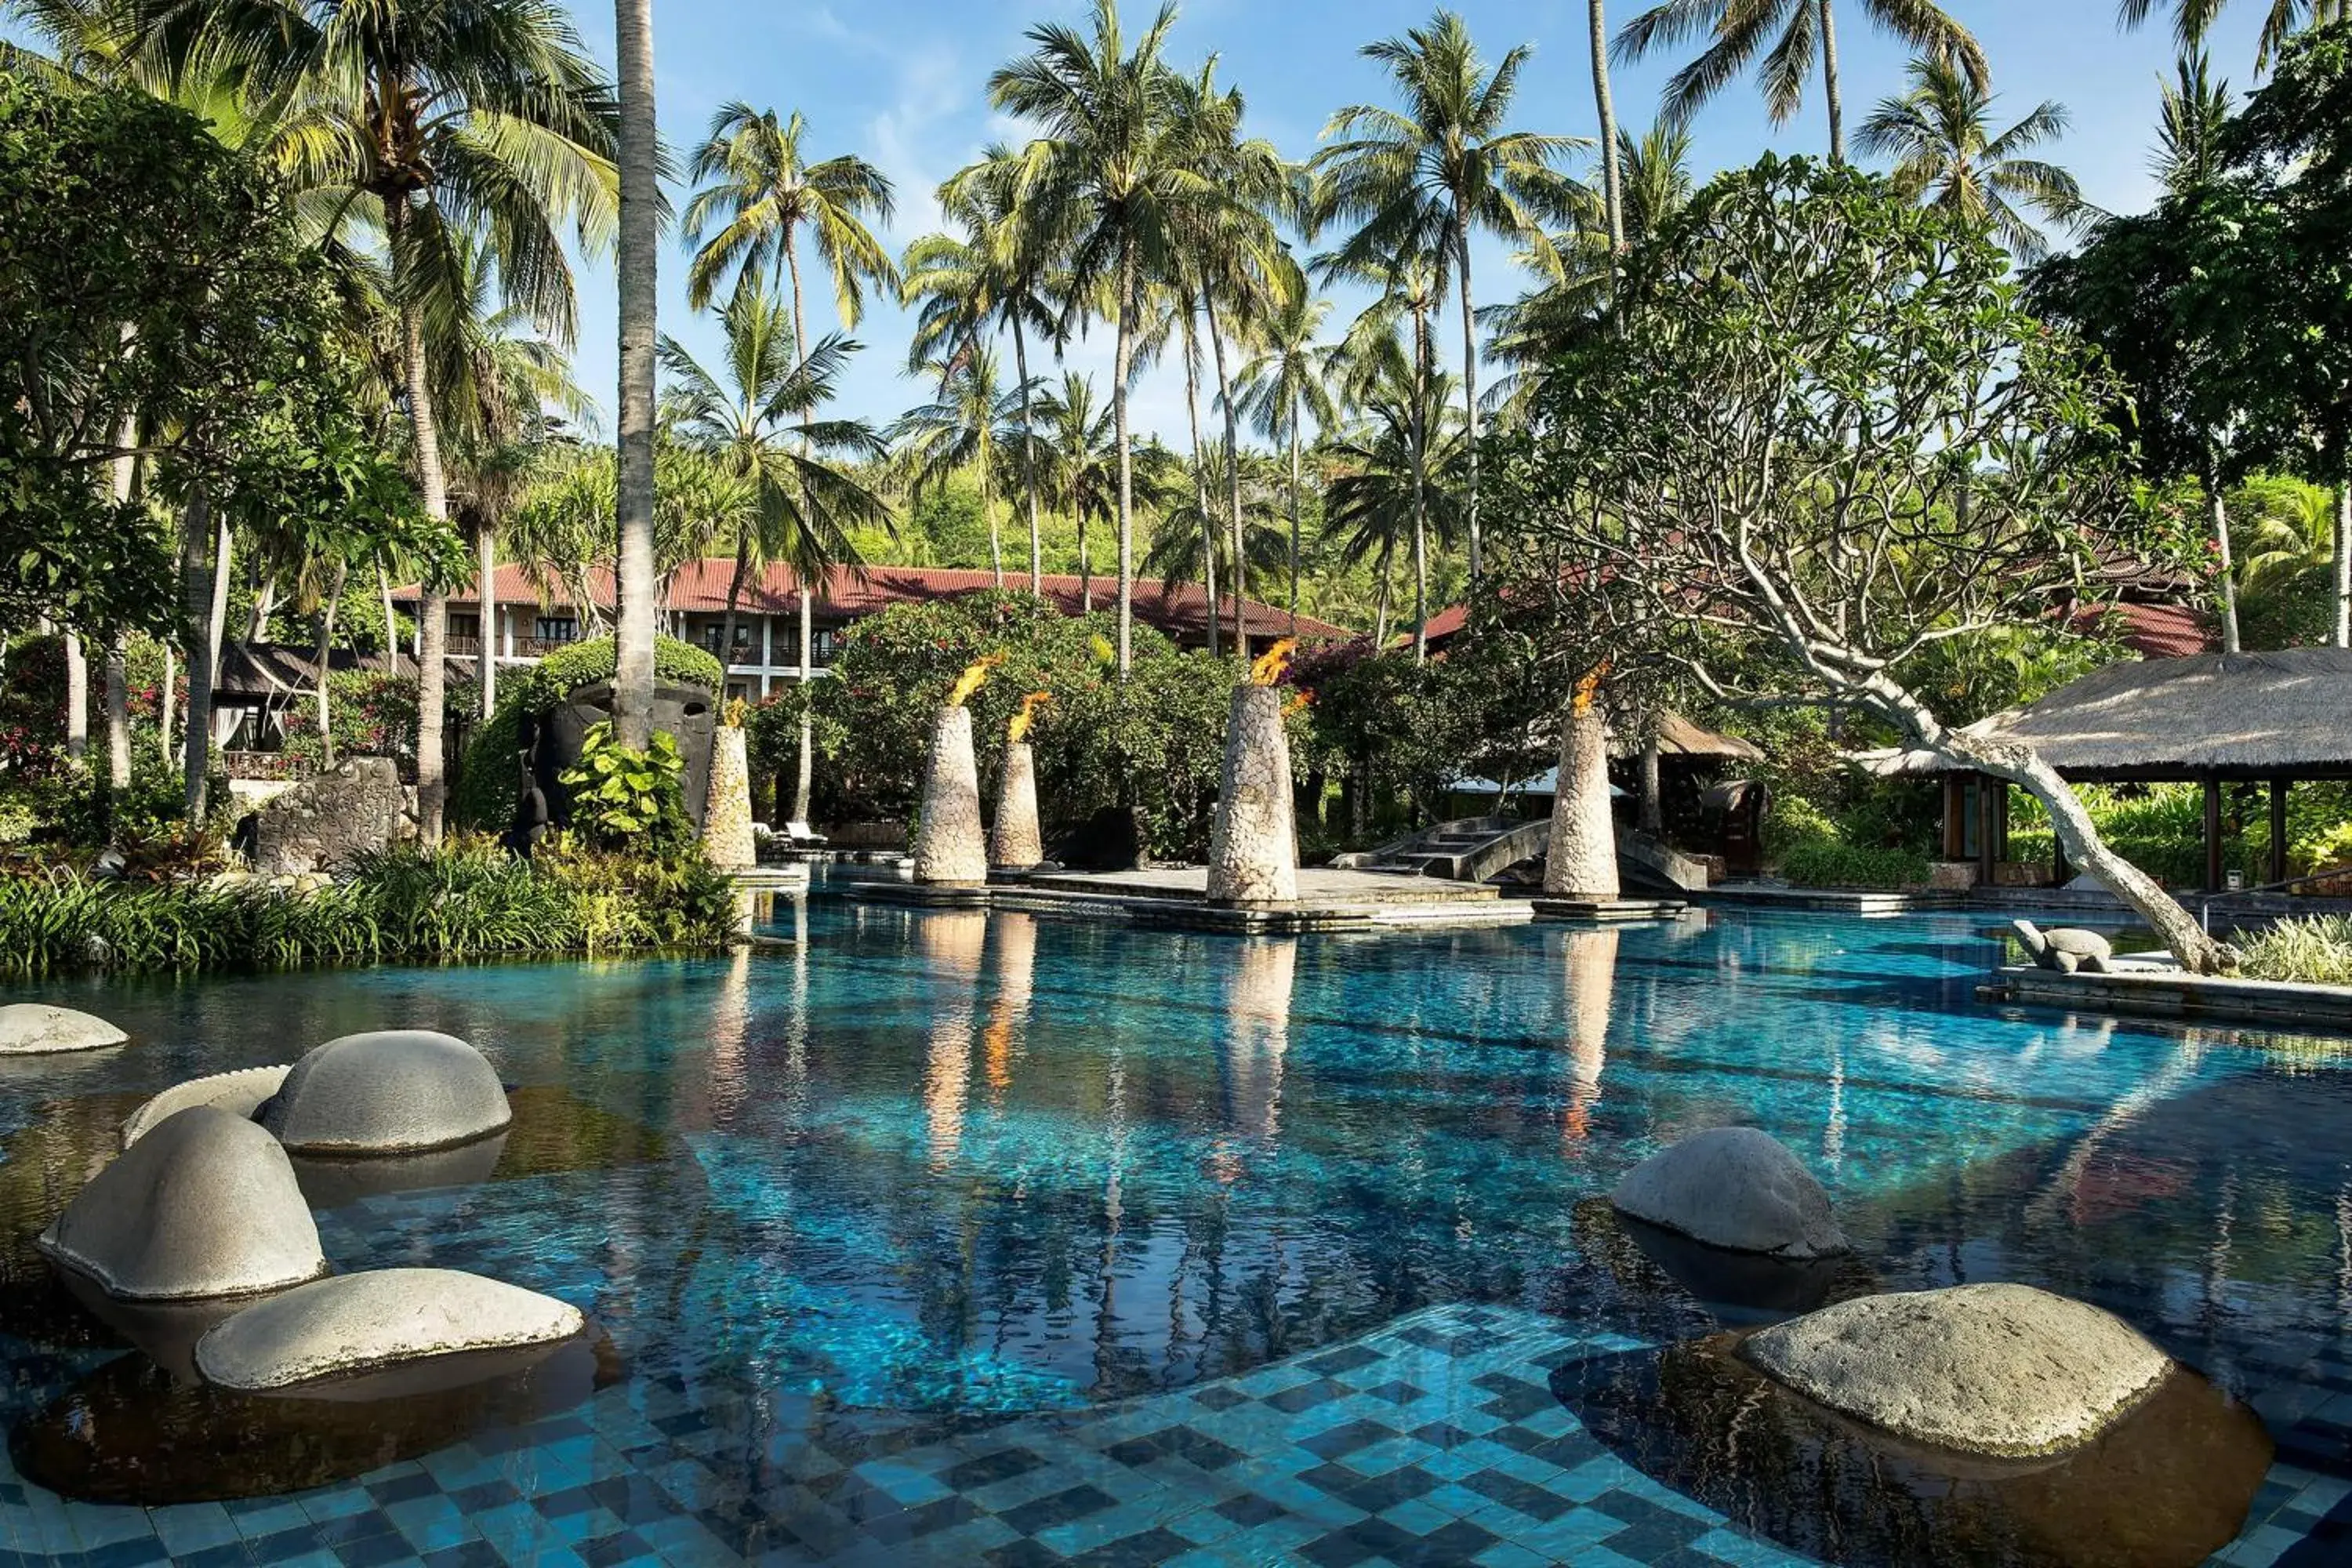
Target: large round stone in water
column 131, row 1433
column 2165, row 1486
column 1994, row 1369
column 36, row 1028
column 389, row 1091
column 1734, row 1187
column 382, row 1317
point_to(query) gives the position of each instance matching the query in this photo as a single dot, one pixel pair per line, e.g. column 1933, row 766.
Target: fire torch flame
column 973, row 679
column 1298, row 704
column 1273, row 664
column 1018, row 730
column 1589, row 688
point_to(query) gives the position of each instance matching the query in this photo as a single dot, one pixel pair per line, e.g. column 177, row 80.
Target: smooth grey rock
column 1736, row 1188
column 2064, row 948
column 240, row 1093
column 362, row 1322
column 388, row 1091
column 205, row 1204
column 321, row 823
column 36, row 1028
column 1983, row 1368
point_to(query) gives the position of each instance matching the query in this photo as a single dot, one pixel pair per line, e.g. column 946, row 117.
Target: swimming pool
column 938, row 1177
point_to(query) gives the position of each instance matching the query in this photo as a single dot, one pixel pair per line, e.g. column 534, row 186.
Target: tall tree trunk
column 2219, row 510
column 163, row 703
column 326, row 652
column 123, row 474
column 1201, row 479
column 640, row 241
column 2344, row 562
column 1470, row 393
column 1085, row 564
column 486, row 556
column 76, row 698
column 1293, row 516
column 1612, row 179
column 988, row 512
column 432, row 605
column 1123, row 366
column 806, row 775
column 1829, row 81
column 195, row 588
column 390, row 622
column 265, row 605
column 734, row 596
column 1654, row 804
column 1232, row 482
column 1419, row 488
column 1380, row 613
column 1029, row 459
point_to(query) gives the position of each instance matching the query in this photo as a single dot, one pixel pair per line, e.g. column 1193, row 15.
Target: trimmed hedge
column 484, row 799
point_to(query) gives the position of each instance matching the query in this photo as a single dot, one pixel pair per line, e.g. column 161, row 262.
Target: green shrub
column 623, row 797
column 467, row 899
column 2315, row 950
column 1830, row 863
column 484, row 800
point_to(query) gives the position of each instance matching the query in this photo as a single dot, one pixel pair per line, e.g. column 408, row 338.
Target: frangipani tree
column 1756, row 482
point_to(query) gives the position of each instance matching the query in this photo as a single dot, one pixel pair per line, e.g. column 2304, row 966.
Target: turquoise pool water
column 937, row 1171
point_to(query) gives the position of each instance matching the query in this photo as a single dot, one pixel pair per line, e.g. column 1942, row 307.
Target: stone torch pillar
column 1583, row 857
column 950, row 849
column 1014, row 842
column 727, row 812
column 1253, row 841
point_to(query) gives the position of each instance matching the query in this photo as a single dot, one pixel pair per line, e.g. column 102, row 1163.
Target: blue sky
column 904, row 83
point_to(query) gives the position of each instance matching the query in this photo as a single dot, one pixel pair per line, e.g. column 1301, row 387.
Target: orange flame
column 1273, row 664
column 1298, row 704
column 1588, row 689
column 1018, row 730
column 973, row 679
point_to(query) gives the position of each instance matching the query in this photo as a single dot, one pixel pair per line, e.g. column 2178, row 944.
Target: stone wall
column 1253, row 841
column 1583, row 857
column 322, row 822
column 1013, row 842
column 949, row 847
column 727, row 818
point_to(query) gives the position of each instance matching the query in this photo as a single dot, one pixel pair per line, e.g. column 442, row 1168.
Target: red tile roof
column 700, row 588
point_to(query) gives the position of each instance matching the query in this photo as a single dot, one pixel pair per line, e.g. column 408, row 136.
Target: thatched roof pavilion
column 1679, row 737
column 2273, row 717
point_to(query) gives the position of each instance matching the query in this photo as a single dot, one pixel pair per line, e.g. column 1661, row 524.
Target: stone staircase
column 1467, row 849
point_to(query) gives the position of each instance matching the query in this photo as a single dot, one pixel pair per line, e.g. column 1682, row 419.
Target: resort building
column 764, row 650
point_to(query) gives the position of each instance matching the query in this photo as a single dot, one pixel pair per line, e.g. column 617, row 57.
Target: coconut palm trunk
column 1201, row 482
column 1419, row 488
column 486, row 555
column 326, row 650
column 1029, row 460
column 391, row 624
column 1613, row 177
column 804, row 773
column 640, row 241
column 2344, row 562
column 195, row 587
column 1829, row 81
column 1469, row 390
column 1233, row 480
column 1293, row 515
column 433, row 613
column 76, row 698
column 2218, row 509
column 1123, row 367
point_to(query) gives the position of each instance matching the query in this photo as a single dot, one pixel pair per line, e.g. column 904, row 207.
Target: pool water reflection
column 937, row 1170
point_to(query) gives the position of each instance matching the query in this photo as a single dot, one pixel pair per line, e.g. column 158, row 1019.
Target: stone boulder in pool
column 1998, row 1369
column 203, row 1205
column 370, row 1322
column 389, row 1091
column 240, row 1093
column 1736, row 1188
column 2063, row 948
column 38, row 1029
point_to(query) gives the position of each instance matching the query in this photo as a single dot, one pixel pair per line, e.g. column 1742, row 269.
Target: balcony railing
column 524, row 648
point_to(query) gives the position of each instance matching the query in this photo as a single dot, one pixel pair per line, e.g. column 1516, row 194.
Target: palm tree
column 1446, row 162
column 1939, row 136
column 1604, row 103
column 1082, row 463
column 1283, row 388
column 636, row 484
column 1394, row 492
column 1808, row 35
column 992, row 275
column 758, row 421
column 1109, row 185
column 2193, row 20
column 422, row 118
column 760, row 194
column 2189, row 128
column 967, row 426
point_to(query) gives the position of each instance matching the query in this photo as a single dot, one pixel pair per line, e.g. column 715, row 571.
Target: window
column 556, row 628
column 467, row 626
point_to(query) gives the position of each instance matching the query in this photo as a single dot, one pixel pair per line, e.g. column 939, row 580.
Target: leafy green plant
column 621, row 796
column 1829, row 863
column 2315, row 951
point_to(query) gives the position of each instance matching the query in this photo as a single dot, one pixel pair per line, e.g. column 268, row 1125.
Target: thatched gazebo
column 2214, row 719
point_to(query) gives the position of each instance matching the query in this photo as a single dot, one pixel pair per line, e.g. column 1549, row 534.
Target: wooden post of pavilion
column 2278, row 829
column 2213, row 834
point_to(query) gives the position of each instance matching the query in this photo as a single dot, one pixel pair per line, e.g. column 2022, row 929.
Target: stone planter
column 949, row 848
column 1253, row 841
column 727, row 818
column 1014, row 842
